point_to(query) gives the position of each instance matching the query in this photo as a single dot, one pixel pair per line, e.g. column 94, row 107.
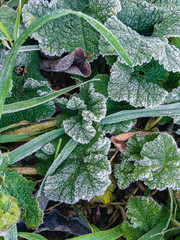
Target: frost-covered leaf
column 80, row 129
column 124, row 173
column 169, row 27
column 8, row 18
column 143, row 214
column 160, row 164
column 139, row 15
column 120, row 127
column 140, row 48
column 83, row 175
column 28, row 85
column 18, row 187
column 9, row 211
column 80, row 111
column 173, row 96
column 125, row 85
column 55, row 37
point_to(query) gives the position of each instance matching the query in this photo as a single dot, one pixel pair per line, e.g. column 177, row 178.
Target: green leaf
column 169, row 27
column 159, row 169
column 21, row 189
column 117, row 128
column 69, row 26
column 128, row 85
column 9, row 212
column 33, row 145
column 31, row 236
column 143, row 215
column 11, row 234
column 173, row 96
column 3, row 30
column 83, row 175
column 162, row 110
column 139, row 15
column 7, row 18
column 111, row 234
column 81, row 111
column 140, row 48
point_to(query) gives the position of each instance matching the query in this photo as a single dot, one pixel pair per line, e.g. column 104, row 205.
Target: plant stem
column 152, row 122
column 37, row 127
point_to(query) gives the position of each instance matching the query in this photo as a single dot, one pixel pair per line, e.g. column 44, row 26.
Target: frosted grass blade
column 31, row 236
column 18, row 106
column 163, row 110
column 17, row 23
column 68, row 148
column 6, row 72
column 33, row 145
column 111, row 234
column 3, row 29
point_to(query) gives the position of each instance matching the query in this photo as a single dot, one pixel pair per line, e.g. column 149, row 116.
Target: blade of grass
column 29, row 48
column 68, row 148
column 16, row 137
column 17, row 23
column 13, row 126
column 163, row 110
column 31, row 236
column 6, row 72
column 33, row 145
column 111, row 234
column 3, row 29
column 19, row 106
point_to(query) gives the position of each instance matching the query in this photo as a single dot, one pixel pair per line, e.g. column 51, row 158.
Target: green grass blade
column 33, row 145
column 31, row 236
column 19, row 106
column 6, row 72
column 163, row 110
column 16, row 137
column 68, row 148
column 3, row 29
column 109, row 36
column 29, row 48
column 111, row 234
column 17, row 23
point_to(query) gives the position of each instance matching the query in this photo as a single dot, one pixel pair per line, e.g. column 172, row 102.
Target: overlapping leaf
column 21, row 189
column 80, row 113
column 83, row 175
column 140, row 15
column 126, row 85
column 55, row 37
column 159, row 168
column 143, row 214
column 27, row 85
column 140, row 48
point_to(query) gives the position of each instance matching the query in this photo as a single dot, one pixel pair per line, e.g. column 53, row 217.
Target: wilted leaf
column 74, row 63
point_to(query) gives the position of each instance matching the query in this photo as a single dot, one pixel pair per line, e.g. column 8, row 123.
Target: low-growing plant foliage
column 136, row 88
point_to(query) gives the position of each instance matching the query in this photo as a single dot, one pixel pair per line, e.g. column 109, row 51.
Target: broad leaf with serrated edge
column 169, row 27
column 55, row 37
column 140, row 48
column 160, row 164
column 28, row 85
column 143, row 214
column 21, row 189
column 83, row 175
column 173, row 96
column 138, row 90
column 140, row 15
column 80, row 113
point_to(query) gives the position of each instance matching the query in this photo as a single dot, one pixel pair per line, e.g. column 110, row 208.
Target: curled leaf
column 74, row 63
